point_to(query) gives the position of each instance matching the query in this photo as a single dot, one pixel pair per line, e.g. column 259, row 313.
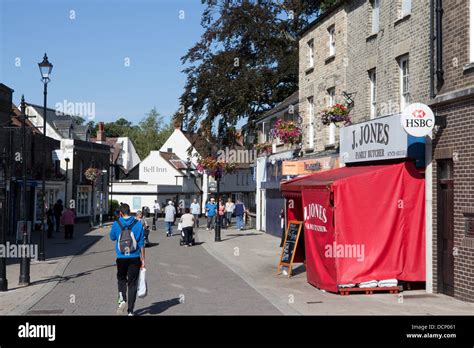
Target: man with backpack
column 129, row 247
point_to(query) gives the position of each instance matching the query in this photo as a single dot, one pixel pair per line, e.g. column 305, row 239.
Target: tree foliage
column 245, row 63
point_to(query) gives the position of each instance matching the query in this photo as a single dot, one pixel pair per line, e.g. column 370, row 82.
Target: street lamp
column 66, row 202
column 25, row 261
column 4, row 223
column 218, row 176
column 45, row 68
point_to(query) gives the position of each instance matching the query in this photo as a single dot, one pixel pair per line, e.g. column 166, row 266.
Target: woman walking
column 67, row 220
column 222, row 214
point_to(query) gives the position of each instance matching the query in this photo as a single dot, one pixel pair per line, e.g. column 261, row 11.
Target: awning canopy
column 323, row 179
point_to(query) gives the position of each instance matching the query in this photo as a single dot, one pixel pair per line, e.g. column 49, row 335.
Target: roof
column 321, row 17
column 62, row 122
column 323, row 179
column 200, row 143
column 16, row 122
column 281, row 107
column 174, row 160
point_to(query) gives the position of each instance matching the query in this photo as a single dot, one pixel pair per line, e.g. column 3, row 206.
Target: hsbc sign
column 418, row 120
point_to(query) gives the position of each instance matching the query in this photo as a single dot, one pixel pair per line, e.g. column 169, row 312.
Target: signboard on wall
column 378, row 139
column 309, row 166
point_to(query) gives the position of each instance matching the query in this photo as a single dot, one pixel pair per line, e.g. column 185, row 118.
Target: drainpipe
column 439, row 44
column 431, row 53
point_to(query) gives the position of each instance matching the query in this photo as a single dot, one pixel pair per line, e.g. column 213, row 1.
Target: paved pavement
column 180, row 280
column 254, row 257
column 234, row 277
column 44, row 275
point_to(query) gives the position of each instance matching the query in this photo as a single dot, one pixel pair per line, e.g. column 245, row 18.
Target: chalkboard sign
column 289, row 246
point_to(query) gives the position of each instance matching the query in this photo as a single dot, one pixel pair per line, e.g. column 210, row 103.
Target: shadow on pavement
column 158, row 307
column 237, row 235
column 65, row 278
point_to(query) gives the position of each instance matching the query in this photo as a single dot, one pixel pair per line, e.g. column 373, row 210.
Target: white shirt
column 157, row 206
column 195, row 208
column 229, row 207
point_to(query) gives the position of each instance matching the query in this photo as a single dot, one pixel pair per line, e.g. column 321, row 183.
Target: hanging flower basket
column 289, row 132
column 214, row 167
column 337, row 114
column 264, row 148
column 92, row 174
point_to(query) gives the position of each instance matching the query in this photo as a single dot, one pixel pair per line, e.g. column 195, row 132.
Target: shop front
column 364, row 223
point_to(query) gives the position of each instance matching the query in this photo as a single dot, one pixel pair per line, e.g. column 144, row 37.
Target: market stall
column 361, row 224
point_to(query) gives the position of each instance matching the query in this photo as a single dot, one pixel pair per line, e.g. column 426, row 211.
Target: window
column 170, row 149
column 375, row 16
column 310, row 53
column 406, row 8
column 332, row 40
column 373, row 93
column 311, row 121
column 332, row 126
column 404, row 82
column 471, row 30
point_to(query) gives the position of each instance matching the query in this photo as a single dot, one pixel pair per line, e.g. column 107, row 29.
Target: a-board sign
column 289, row 246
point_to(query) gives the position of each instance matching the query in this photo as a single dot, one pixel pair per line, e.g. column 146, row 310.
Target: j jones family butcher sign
column 380, row 139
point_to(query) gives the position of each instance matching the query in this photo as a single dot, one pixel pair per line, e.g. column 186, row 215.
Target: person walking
column 170, row 216
column 146, row 227
column 129, row 248
column 229, row 210
column 58, row 212
column 67, row 220
column 156, row 211
column 221, row 213
column 211, row 212
column 50, row 221
column 187, row 223
column 196, row 211
column 239, row 214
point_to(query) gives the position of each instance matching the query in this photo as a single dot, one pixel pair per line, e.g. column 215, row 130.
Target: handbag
column 142, row 289
column 180, row 227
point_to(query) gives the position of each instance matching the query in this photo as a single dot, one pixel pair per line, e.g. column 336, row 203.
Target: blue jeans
column 240, row 221
column 169, row 227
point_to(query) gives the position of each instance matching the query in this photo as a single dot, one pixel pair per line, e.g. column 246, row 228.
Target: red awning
column 325, row 178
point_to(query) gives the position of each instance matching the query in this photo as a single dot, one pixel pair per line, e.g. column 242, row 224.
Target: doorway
column 445, row 227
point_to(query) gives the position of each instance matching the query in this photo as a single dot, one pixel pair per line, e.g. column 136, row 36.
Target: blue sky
column 89, row 52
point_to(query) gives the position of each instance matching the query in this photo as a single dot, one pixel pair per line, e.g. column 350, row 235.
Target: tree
column 150, row 134
column 245, row 63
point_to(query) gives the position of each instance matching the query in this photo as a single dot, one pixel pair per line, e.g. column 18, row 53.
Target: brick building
column 453, row 149
column 322, row 76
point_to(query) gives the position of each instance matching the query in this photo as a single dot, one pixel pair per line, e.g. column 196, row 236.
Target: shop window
column 404, row 82
column 373, row 93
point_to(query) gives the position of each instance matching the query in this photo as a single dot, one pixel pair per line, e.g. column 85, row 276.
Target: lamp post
column 217, row 176
column 45, row 68
column 4, row 224
column 66, row 202
column 25, row 261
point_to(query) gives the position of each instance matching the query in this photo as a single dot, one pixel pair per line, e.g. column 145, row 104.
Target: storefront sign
column 379, row 139
column 154, row 169
column 418, row 120
column 309, row 166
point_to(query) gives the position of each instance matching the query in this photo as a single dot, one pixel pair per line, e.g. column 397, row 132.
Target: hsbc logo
column 418, row 120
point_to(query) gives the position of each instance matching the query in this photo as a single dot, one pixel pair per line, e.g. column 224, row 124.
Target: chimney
column 100, row 133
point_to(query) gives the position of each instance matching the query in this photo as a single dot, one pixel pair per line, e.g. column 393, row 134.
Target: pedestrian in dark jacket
column 58, row 212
